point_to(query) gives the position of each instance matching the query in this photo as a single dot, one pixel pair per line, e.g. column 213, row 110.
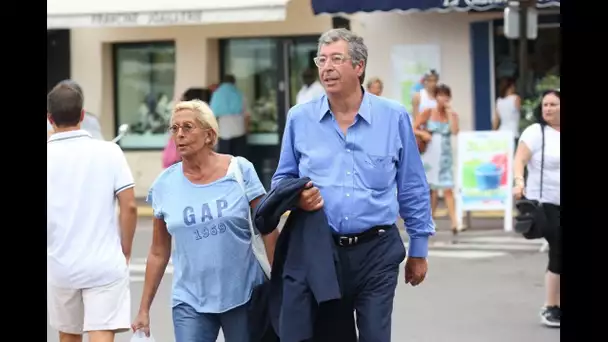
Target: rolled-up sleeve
column 413, row 191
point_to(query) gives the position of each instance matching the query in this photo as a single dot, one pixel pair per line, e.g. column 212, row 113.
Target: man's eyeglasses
column 321, row 61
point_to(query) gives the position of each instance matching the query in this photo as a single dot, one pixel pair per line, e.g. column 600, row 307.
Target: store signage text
column 151, row 18
column 114, row 19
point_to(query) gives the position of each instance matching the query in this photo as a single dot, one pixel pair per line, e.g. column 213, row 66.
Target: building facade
column 135, row 62
column 132, row 72
column 472, row 55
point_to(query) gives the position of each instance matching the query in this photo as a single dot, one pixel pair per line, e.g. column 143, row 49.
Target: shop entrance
column 268, row 72
column 57, row 57
column 544, row 55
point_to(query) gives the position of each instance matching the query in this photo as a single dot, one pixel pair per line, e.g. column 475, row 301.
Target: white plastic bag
column 139, row 336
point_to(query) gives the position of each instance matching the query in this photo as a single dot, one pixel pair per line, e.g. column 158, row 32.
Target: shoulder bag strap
column 257, row 245
column 238, row 174
column 542, row 161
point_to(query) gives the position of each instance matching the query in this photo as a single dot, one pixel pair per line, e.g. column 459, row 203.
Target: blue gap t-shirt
column 215, row 269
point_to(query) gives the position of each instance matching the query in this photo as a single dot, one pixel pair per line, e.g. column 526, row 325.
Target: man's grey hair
column 74, row 85
column 356, row 47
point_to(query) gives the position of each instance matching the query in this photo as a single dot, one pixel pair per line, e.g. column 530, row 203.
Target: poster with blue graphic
column 485, row 173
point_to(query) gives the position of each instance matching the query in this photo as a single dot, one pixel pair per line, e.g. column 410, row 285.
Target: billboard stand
column 485, row 174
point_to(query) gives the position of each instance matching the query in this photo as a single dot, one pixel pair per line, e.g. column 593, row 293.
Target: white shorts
column 100, row 308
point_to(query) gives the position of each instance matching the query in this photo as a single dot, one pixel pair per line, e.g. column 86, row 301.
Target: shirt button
column 346, row 218
column 348, row 173
column 347, row 195
column 348, row 150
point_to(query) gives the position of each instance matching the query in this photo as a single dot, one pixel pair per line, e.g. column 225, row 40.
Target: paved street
column 485, row 286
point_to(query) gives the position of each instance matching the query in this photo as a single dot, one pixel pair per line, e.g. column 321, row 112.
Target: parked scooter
column 122, row 131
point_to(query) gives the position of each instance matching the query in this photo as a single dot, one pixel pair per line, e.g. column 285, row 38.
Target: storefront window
column 145, row 79
column 253, row 62
column 542, row 65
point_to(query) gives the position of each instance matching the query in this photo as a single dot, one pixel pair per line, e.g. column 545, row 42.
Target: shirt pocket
column 377, row 171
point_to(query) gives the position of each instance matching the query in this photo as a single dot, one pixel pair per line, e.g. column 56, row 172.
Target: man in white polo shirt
column 87, row 252
column 90, row 123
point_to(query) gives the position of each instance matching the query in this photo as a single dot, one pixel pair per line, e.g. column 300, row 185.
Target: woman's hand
column 425, row 136
column 519, row 191
column 142, row 322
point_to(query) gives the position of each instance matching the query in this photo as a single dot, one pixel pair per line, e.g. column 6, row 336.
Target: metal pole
column 523, row 45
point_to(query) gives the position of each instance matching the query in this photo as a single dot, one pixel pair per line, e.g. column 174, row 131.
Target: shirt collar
column 80, row 133
column 364, row 110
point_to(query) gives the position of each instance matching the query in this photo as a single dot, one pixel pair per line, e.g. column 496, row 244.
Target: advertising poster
column 409, row 63
column 485, row 173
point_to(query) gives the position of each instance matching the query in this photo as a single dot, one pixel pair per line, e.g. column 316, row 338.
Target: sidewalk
column 143, row 208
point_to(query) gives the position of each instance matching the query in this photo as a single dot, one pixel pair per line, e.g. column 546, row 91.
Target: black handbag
column 531, row 218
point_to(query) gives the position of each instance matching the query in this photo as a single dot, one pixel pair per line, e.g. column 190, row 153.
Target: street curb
column 443, row 212
column 145, row 211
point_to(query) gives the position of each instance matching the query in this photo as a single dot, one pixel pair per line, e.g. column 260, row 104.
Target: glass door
column 268, row 72
column 301, row 54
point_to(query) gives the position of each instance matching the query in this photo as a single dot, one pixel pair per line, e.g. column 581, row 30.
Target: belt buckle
column 347, row 241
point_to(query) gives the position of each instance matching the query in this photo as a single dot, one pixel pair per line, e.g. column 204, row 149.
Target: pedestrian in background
column 441, row 123
column 87, row 250
column 543, row 185
column 425, row 98
column 508, row 109
column 375, row 86
column 359, row 150
column 311, row 87
column 201, row 206
column 228, row 105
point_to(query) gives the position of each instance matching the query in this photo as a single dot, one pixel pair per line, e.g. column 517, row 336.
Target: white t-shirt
column 83, row 177
column 532, row 137
column 508, row 114
column 309, row 93
column 233, row 126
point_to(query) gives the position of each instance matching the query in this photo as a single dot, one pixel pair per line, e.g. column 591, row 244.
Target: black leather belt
column 354, row 239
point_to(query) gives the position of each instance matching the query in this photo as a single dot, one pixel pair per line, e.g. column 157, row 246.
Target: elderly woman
column 375, row 86
column 539, row 152
column 201, row 206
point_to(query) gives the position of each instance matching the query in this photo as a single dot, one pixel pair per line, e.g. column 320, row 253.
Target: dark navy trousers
column 369, row 273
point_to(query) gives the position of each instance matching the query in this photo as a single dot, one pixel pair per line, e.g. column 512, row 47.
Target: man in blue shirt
column 359, row 150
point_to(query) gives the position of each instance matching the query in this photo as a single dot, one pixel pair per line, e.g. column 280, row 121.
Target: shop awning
column 65, row 14
column 353, row 6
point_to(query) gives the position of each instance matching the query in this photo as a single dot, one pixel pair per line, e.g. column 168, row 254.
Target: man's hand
column 310, row 198
column 415, row 270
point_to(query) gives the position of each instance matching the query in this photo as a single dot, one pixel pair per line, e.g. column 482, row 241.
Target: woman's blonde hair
column 204, row 115
column 374, row 80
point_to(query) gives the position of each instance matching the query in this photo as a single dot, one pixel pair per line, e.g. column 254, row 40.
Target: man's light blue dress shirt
column 366, row 177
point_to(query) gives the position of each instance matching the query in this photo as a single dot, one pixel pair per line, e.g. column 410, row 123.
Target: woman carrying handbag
column 539, row 199
column 202, row 218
